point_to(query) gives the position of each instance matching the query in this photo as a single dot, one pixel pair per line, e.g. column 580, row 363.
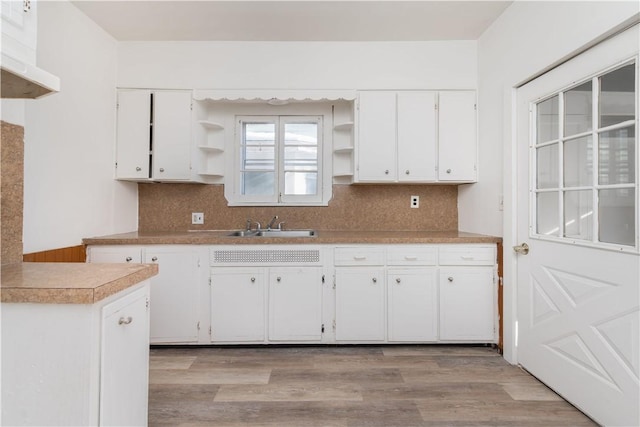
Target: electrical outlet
column 415, row 202
column 197, row 218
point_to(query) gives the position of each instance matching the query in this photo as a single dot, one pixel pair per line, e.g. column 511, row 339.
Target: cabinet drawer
column 412, row 256
column 467, row 255
column 359, row 256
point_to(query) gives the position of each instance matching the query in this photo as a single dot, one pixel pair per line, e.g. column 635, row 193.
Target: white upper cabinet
column 416, row 137
column 457, row 153
column 154, row 136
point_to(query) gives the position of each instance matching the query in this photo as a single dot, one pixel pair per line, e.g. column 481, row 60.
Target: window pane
column 577, row 109
column 616, row 210
column 301, row 159
column 547, row 120
column 578, row 214
column 616, row 156
column 300, row 183
column 257, row 183
column 258, row 158
column 547, row 166
column 259, row 133
column 547, row 214
column 578, row 162
column 301, row 134
column 617, row 101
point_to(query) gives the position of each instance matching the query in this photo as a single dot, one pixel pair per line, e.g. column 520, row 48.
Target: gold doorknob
column 522, row 249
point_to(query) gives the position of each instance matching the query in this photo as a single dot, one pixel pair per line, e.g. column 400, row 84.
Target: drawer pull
column 124, row 321
column 154, row 259
column 128, row 259
column 411, row 258
column 138, row 168
column 253, row 279
column 398, row 280
column 374, row 280
column 279, row 279
column 450, row 279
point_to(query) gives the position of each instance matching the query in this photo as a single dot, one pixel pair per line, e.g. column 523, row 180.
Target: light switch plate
column 197, row 218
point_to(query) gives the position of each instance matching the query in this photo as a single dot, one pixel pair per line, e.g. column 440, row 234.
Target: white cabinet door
column 295, row 304
column 412, row 304
column 376, row 148
column 467, row 310
column 417, row 136
column 171, row 135
column 133, row 135
column 237, row 305
column 19, row 30
column 457, row 145
column 110, row 254
column 174, row 295
column 360, row 304
column 124, row 366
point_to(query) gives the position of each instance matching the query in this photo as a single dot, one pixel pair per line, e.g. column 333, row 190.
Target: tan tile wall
column 11, row 191
column 168, row 207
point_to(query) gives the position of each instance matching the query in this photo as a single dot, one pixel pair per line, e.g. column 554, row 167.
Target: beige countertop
column 220, row 237
column 69, row 283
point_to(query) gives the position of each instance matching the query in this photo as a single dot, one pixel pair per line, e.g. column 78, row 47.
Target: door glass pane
column 547, row 166
column 578, row 162
column 257, row 183
column 547, row 120
column 617, row 96
column 578, row 214
column 547, row 213
column 617, row 156
column 301, row 134
column 577, row 109
column 300, row 183
column 616, row 211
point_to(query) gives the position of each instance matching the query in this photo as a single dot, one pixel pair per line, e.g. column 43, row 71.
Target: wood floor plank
column 440, row 350
column 211, row 376
column 287, row 393
column 531, row 391
column 171, row 362
column 335, row 376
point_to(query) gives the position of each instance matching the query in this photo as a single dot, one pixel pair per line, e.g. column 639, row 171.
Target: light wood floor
column 348, row 386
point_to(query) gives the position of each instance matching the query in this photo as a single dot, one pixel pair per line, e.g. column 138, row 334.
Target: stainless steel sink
column 273, row 233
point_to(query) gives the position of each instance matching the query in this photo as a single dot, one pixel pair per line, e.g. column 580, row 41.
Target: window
column 279, row 159
column 586, row 160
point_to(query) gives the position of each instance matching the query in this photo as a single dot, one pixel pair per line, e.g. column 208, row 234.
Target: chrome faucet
column 273, row 221
column 249, row 222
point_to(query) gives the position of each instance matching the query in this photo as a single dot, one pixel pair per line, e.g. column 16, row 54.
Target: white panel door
column 360, row 304
column 295, row 304
column 133, row 134
column 457, row 143
column 376, row 149
column 417, row 136
column 237, row 305
column 578, row 300
column 412, row 304
column 174, row 294
column 172, row 135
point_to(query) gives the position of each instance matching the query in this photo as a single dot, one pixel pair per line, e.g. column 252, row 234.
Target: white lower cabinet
column 295, row 304
column 175, row 291
column 360, row 304
column 237, row 305
column 412, row 305
column 467, row 304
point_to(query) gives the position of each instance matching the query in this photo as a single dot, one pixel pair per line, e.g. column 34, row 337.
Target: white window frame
column 595, row 185
column 321, row 198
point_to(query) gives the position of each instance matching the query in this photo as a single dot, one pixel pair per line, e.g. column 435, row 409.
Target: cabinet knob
column 125, row 321
column 128, row 259
column 448, row 170
column 161, row 169
column 450, row 279
column 154, row 259
column 398, row 280
column 407, row 172
column 138, row 168
column 386, row 172
column 279, row 279
column 374, row 280
column 253, row 279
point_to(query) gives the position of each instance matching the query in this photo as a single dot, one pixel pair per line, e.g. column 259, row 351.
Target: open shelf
column 343, row 126
column 343, row 150
column 211, row 149
column 211, row 174
column 342, row 174
column 211, row 125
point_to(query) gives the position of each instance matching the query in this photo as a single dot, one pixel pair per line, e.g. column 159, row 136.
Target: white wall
column 298, row 65
column 69, row 137
column 527, row 38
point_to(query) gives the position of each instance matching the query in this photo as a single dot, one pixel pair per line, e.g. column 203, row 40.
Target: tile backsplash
column 168, row 207
column 12, row 191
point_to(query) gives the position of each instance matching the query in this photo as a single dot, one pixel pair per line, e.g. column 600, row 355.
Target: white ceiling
column 240, row 20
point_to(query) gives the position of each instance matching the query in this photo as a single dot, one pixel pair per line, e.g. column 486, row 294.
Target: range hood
column 25, row 81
